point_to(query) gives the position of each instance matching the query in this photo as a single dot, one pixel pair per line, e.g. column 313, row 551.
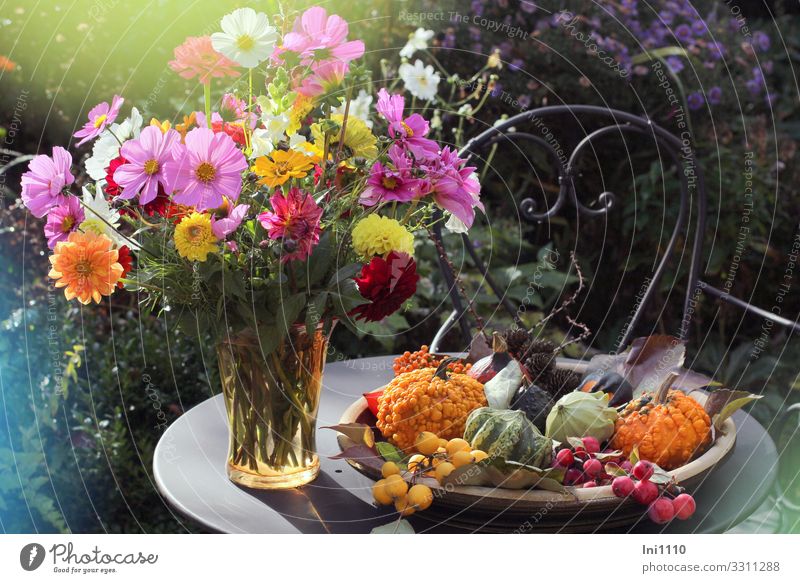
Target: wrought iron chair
column 692, row 199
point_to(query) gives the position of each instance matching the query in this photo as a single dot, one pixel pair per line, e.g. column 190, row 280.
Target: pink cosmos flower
column 100, row 116
column 45, row 180
column 325, row 77
column 409, row 132
column 197, row 58
column 386, row 183
column 453, row 186
column 62, row 220
column 145, row 158
column 319, row 37
column 295, row 219
column 228, row 219
column 208, row 167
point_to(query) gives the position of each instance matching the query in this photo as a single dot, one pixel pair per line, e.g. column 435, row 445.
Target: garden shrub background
column 86, row 393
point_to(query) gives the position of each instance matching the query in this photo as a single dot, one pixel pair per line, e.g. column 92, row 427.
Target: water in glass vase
column 271, row 401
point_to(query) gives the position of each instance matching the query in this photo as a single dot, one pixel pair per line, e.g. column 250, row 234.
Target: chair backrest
column 533, row 126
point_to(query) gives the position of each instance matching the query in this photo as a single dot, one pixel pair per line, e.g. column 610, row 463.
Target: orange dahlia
column 86, row 265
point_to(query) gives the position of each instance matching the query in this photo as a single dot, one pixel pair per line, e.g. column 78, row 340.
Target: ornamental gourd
column 579, row 414
column 508, row 435
column 427, row 399
column 669, row 428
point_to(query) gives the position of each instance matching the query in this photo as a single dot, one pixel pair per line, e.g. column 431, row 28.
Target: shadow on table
column 323, row 506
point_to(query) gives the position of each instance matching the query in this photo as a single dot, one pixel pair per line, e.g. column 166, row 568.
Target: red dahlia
column 126, row 261
column 386, row 283
column 111, row 188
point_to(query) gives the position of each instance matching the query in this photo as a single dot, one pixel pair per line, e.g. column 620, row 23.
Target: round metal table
column 189, row 468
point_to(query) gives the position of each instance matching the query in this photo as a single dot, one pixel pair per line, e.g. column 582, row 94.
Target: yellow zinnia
column 86, row 265
column 358, row 138
column 300, row 109
column 282, row 165
column 375, row 235
column 194, row 238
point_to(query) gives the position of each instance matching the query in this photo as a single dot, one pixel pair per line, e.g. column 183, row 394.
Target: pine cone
column 561, row 381
column 517, row 341
column 540, row 365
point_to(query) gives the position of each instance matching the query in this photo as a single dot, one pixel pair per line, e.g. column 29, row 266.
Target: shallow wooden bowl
column 578, row 510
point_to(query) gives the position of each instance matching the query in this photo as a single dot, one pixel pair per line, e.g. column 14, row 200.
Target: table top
column 190, row 470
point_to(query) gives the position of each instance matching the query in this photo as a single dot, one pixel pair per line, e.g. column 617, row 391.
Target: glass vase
column 271, row 401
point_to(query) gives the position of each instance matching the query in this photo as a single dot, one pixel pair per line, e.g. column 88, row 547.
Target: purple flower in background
column 477, row 7
column 761, row 40
column 46, row 178
column 527, row 6
column 695, row 100
column 770, row 98
column 714, row 95
column 449, row 40
column 667, row 17
column 675, row 64
column 683, row 33
column 754, row 86
column 716, row 50
column 100, row 116
column 62, row 220
column 699, row 27
column 516, row 65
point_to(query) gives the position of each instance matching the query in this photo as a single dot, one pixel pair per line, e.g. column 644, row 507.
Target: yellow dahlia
column 86, row 265
column 375, row 235
column 358, row 138
column 194, row 238
column 282, row 165
column 300, row 109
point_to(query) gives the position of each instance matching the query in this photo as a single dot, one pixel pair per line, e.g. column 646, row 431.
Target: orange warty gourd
column 420, row 401
column 668, row 433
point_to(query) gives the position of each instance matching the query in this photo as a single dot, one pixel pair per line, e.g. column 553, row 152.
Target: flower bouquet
column 263, row 218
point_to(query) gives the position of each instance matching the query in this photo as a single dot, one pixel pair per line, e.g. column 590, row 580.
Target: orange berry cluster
column 409, row 361
column 419, row 401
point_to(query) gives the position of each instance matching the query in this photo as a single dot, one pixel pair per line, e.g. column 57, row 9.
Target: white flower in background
column 420, row 81
column 100, row 217
column 247, row 37
column 264, row 139
column 106, row 147
column 360, row 107
column 417, row 41
column 465, row 110
column 436, row 120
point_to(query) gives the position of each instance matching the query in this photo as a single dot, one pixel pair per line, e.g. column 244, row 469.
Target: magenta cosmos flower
column 62, row 220
column 393, row 182
column 295, row 219
column 100, row 116
column 44, row 182
column 453, row 186
column 208, row 167
column 146, row 157
column 228, row 218
column 319, row 37
column 409, row 132
column 197, row 58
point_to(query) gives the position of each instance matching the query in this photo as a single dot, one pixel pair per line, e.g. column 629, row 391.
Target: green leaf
column 343, row 274
column 722, row 403
column 289, row 310
column 389, row 452
column 615, row 470
column 662, row 52
column 634, row 457
column 319, row 262
column 401, row 526
column 315, row 311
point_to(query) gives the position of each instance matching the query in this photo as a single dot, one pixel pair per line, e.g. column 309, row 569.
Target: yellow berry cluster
column 436, row 458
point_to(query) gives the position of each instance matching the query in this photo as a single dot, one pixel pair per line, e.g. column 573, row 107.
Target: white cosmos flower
column 420, row 81
column 417, row 41
column 360, row 107
column 100, row 217
column 106, row 147
column 247, row 37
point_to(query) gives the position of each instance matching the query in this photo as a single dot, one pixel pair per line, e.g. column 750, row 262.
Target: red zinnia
column 125, row 259
column 386, row 283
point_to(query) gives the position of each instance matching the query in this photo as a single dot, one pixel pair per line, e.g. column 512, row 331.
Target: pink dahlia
column 208, row 167
column 227, row 218
column 409, row 132
column 197, row 58
column 62, row 220
column 100, row 116
column 453, row 186
column 45, row 180
column 145, row 159
column 391, row 183
column 295, row 219
column 319, row 37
